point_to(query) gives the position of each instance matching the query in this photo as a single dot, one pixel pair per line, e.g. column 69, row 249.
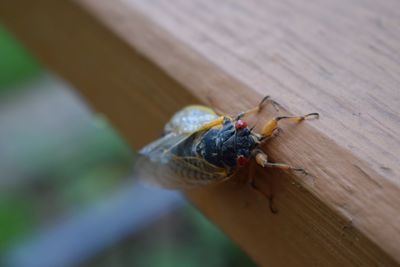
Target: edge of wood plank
column 327, row 220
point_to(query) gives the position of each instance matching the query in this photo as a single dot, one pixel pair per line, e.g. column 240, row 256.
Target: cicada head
column 245, row 142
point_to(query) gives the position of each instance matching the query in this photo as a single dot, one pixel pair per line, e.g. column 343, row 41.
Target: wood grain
column 138, row 61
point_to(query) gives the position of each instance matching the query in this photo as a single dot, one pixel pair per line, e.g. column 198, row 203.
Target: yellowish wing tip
column 202, row 108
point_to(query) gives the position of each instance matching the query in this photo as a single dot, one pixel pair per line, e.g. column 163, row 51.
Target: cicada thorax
column 220, row 146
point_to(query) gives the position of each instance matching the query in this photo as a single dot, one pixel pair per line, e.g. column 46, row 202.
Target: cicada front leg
column 270, row 128
column 258, row 108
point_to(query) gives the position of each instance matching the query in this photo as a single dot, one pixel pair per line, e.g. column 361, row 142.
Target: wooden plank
column 138, row 61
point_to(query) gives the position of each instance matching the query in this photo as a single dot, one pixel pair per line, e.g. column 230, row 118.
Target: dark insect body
column 224, row 146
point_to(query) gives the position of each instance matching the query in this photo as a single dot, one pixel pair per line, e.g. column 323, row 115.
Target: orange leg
column 262, row 160
column 271, row 126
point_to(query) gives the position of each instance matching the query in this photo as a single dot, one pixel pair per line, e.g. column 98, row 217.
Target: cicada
column 201, row 147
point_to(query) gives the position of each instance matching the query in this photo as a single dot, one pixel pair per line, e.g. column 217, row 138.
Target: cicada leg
column 258, row 108
column 262, row 160
column 252, row 183
column 270, row 197
column 271, row 126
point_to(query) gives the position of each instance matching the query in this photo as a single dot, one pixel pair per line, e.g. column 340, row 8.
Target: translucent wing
column 158, row 165
column 154, row 162
column 189, row 119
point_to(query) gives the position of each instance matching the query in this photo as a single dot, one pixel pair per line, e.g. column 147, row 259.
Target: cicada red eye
column 240, row 124
column 241, row 160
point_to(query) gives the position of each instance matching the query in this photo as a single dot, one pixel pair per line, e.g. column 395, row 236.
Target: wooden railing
column 139, row 61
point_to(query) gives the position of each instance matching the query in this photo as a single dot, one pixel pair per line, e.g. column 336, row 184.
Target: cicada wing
column 156, row 173
column 153, row 164
column 157, row 165
column 190, row 119
column 157, row 150
column 194, row 171
column 177, row 173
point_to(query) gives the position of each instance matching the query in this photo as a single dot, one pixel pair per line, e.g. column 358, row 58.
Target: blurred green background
column 59, row 160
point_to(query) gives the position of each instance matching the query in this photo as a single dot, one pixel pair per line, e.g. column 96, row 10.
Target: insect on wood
column 200, row 147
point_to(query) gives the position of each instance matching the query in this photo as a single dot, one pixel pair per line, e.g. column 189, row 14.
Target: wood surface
column 139, row 61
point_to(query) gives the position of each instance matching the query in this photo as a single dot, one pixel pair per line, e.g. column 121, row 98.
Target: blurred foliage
column 91, row 167
column 15, row 63
column 16, row 219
